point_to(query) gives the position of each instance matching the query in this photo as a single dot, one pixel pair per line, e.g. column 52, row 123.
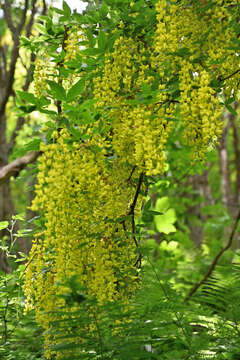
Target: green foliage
column 159, row 324
column 164, row 223
column 20, row 337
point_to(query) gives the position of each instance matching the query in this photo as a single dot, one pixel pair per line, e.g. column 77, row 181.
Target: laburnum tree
column 118, row 83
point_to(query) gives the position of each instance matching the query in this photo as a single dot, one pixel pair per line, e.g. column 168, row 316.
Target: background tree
column 17, row 20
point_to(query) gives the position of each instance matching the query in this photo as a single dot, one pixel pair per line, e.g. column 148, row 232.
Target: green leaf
column 33, row 145
column 92, row 51
column 66, row 9
column 25, row 41
column 95, row 149
column 43, row 18
column 40, row 28
column 183, row 52
column 28, row 97
column 3, row 225
column 216, row 84
column 164, row 223
column 102, row 40
column 146, row 88
column 162, row 204
column 28, row 109
column 57, row 91
column 230, row 100
column 58, row 11
column 42, row 101
column 79, row 18
column 91, row 38
column 75, row 90
column 103, row 11
column 148, row 204
column 49, row 112
column 231, row 109
column 19, row 217
column 24, row 233
column 153, row 212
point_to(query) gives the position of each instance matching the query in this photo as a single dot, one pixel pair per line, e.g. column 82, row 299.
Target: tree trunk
column 227, row 195
column 9, row 54
column 200, row 185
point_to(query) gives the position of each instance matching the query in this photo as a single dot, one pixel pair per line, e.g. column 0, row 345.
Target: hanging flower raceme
column 90, row 190
column 139, row 131
column 199, row 59
column 82, row 194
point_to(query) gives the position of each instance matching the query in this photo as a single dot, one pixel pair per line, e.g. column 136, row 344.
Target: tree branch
column 17, row 165
column 215, row 260
column 229, row 76
column 8, row 16
column 16, row 32
column 236, row 158
column 60, row 64
column 4, row 58
column 132, row 214
column 23, row 18
column 133, row 205
column 31, row 20
column 21, row 120
column 44, row 10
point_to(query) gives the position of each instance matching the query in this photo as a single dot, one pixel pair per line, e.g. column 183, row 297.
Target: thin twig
column 229, row 76
column 132, row 214
column 60, row 65
column 132, row 172
column 132, row 207
column 215, row 260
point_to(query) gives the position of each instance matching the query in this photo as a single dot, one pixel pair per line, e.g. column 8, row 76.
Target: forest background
column 186, row 304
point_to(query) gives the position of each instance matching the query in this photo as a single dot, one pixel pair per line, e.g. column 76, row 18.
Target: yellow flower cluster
column 82, row 195
column 71, row 44
column 139, row 132
column 200, row 110
column 184, row 46
column 87, row 190
column 43, row 71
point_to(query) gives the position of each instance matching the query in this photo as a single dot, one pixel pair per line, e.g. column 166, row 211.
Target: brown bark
column 200, row 185
column 236, row 147
column 227, row 196
column 17, row 165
